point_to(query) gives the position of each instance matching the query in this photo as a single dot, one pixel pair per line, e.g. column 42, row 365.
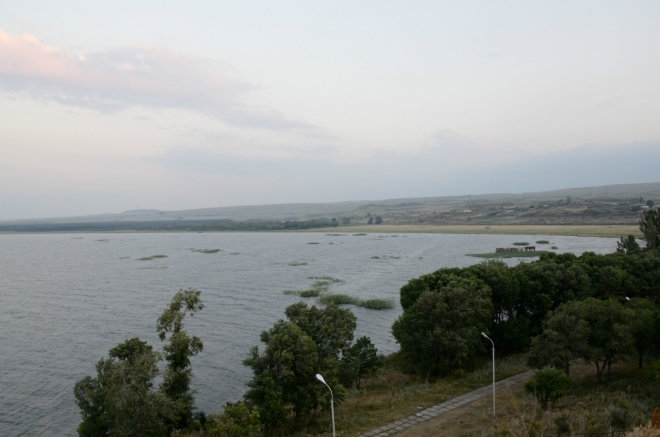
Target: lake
column 66, row 299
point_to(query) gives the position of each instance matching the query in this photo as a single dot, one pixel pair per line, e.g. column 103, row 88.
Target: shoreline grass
column 297, row 263
column 604, row 231
column 509, row 254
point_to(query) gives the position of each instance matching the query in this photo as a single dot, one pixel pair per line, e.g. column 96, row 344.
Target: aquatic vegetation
column 554, row 247
column 375, row 257
column 312, row 292
column 521, row 243
column 326, row 278
column 206, row 250
column 542, row 242
column 314, row 242
column 298, row 263
column 377, row 304
column 152, row 257
column 385, row 257
column 296, row 292
column 76, row 238
column 235, row 253
column 359, row 235
column 338, row 299
column 509, row 254
column 124, row 257
column 336, row 235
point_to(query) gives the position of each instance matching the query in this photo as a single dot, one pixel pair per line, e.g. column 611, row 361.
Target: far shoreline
column 602, row 231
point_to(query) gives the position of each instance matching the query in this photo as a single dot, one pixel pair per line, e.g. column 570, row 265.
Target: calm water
column 66, row 299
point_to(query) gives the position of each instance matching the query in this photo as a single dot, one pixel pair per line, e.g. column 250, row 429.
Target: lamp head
column 484, row 335
column 627, row 298
column 320, row 378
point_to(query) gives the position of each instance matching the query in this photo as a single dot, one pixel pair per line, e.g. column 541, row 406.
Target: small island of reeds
column 152, row 257
column 205, row 250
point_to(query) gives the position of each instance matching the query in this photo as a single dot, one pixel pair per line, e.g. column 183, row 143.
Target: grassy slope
column 588, row 407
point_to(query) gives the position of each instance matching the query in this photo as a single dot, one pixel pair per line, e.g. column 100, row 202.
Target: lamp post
column 332, row 402
column 493, row 370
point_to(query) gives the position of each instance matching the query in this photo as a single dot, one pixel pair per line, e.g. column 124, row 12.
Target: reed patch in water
column 206, row 250
column 298, row 263
column 152, row 257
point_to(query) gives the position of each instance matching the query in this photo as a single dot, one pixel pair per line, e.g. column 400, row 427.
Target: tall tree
column 122, row 400
column 178, row 351
column 359, row 361
column 649, row 224
column 441, row 330
column 643, row 326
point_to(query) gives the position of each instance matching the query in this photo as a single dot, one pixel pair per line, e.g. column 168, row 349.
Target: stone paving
column 437, row 410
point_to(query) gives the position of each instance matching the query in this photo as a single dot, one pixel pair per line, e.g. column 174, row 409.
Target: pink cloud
column 118, row 78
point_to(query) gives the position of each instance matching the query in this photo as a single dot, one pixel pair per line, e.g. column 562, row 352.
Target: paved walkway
column 437, row 410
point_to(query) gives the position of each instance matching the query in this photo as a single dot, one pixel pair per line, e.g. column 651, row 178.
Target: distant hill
column 608, row 204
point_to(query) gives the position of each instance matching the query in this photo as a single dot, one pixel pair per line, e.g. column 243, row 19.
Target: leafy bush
column 653, row 373
column 236, row 421
column 548, row 385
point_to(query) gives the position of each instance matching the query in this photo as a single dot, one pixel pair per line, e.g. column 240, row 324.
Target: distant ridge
column 311, row 211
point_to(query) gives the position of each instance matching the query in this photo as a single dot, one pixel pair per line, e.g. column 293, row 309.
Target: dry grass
column 614, row 231
column 623, row 402
column 392, row 395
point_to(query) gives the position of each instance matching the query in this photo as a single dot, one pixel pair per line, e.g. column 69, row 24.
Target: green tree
column 370, row 221
column 359, row 361
column 595, row 330
column 235, row 421
column 378, row 220
column 548, row 386
column 122, row 400
column 345, row 220
column 568, row 200
column 649, row 224
column 178, row 351
column 643, row 326
column 441, row 330
column 284, row 383
column 628, row 245
column 650, row 203
column 283, row 379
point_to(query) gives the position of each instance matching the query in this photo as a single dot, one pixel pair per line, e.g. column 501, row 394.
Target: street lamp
column 493, row 370
column 332, row 402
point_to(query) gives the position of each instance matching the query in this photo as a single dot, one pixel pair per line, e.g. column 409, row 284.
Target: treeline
column 165, row 226
column 600, row 308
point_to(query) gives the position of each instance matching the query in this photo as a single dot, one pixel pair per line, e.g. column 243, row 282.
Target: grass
column 298, row 263
column 206, row 250
column 152, row 257
column 336, row 235
column 508, row 254
column 338, row 299
column 392, row 395
column 314, row 242
column 554, row 247
column 124, row 257
column 622, row 402
column 344, row 299
column 377, row 304
column 385, row 257
column 359, row 235
column 521, row 243
column 613, row 231
column 326, row 278
column 542, row 242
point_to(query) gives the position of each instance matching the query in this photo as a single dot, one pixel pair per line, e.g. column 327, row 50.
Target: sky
column 114, row 106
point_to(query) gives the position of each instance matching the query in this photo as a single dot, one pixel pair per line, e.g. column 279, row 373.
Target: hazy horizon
column 138, row 105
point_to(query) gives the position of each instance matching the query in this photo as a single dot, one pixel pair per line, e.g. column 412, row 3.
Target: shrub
column 521, row 243
column 542, row 242
column 377, row 304
column 337, row 299
column 236, row 421
column 548, row 385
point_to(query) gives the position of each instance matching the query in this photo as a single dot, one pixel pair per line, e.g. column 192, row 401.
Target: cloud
column 148, row 76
